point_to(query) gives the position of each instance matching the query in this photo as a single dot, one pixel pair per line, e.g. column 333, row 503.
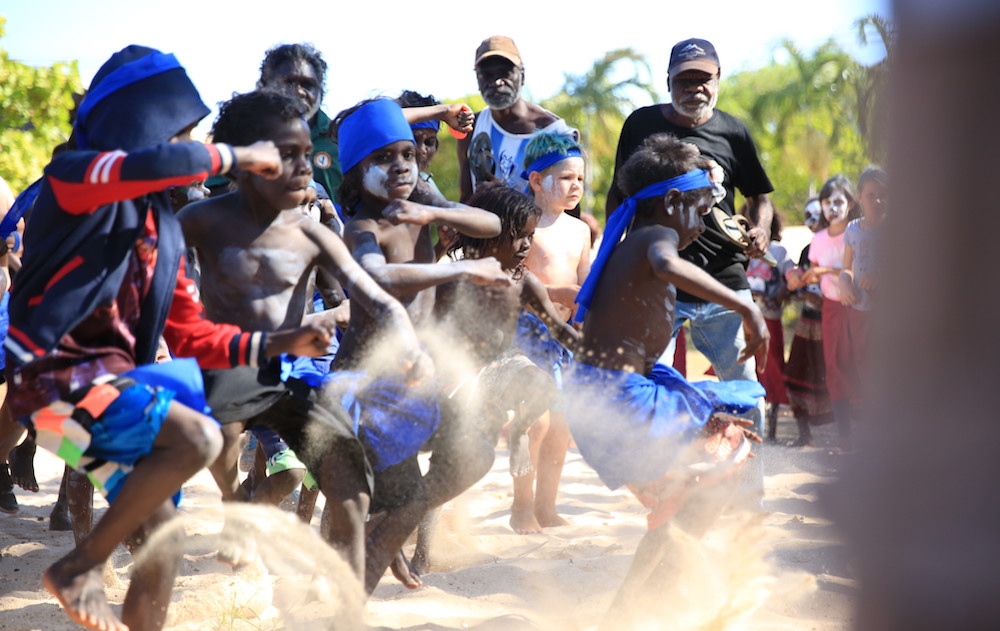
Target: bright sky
column 386, row 46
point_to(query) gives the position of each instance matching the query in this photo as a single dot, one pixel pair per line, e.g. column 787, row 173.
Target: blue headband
column 435, row 125
column 545, row 161
column 369, row 128
column 152, row 64
column 620, row 220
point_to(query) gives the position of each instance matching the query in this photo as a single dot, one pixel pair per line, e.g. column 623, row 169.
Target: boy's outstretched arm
column 686, row 276
column 472, row 222
column 83, row 181
column 536, row 297
column 404, row 279
column 458, row 116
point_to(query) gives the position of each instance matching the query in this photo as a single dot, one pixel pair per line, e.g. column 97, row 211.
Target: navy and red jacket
column 90, row 211
column 93, row 206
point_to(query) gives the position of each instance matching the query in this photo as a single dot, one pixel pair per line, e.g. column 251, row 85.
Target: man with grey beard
column 495, row 149
column 693, row 80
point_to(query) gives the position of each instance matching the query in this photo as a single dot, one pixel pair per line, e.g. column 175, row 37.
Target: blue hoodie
column 94, row 202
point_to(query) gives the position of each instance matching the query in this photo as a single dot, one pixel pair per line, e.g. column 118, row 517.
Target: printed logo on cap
column 690, row 51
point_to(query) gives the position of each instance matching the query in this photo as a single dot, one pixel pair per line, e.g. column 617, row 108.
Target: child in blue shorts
column 101, row 280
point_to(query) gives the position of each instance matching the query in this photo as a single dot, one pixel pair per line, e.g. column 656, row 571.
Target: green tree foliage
column 803, row 116
column 34, row 115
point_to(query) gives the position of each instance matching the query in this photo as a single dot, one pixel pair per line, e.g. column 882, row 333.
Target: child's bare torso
column 253, row 276
column 631, row 319
column 402, row 243
column 473, row 321
column 555, row 257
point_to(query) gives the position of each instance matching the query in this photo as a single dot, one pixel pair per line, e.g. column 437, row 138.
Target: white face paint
column 377, row 182
column 549, row 185
column 690, row 219
column 813, row 212
column 835, row 207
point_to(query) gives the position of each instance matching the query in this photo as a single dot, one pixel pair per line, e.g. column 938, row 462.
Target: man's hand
column 311, row 340
column 719, row 421
column 485, row 271
column 759, row 241
column 262, row 158
column 339, row 316
column 417, row 365
column 404, row 211
column 757, row 337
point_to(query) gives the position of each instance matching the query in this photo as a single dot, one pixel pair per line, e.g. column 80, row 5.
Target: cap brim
column 704, row 66
column 514, row 59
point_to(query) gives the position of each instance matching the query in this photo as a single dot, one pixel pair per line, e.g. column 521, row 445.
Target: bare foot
column 236, row 548
column 523, row 522
column 549, row 519
column 22, row 466
column 81, row 593
column 404, row 572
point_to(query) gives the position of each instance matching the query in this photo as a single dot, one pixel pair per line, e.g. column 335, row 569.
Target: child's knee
column 203, row 440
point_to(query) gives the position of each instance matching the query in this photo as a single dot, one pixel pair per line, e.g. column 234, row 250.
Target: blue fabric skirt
column 630, row 427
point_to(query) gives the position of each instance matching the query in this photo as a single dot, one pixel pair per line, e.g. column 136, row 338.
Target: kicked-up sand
column 784, row 568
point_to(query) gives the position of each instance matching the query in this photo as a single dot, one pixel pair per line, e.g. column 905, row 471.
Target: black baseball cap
column 693, row 54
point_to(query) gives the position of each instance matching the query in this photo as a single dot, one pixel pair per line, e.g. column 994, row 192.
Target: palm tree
column 601, row 99
column 872, row 84
column 808, row 112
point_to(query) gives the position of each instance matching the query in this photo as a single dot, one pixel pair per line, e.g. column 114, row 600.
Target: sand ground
column 785, row 568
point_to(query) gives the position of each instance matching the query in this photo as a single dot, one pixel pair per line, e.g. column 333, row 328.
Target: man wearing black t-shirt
column 693, row 80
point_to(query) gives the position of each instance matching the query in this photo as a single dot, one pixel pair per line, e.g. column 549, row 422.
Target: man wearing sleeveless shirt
column 495, row 148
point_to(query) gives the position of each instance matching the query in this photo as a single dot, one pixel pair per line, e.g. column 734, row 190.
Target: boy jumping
column 637, row 422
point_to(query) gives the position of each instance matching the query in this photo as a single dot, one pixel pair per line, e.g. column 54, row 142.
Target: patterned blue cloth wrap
column 392, row 419
column 312, row 370
column 537, row 343
column 630, row 427
column 127, row 429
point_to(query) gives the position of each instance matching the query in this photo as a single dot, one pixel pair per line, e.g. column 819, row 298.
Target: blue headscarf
column 620, row 219
column 139, row 98
column 369, row 128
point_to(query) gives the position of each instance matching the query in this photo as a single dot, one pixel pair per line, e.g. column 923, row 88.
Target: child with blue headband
column 636, row 422
column 258, row 250
column 102, row 279
column 389, row 235
column 560, row 258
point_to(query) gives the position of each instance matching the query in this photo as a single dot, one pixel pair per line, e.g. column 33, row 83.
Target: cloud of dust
column 299, row 582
